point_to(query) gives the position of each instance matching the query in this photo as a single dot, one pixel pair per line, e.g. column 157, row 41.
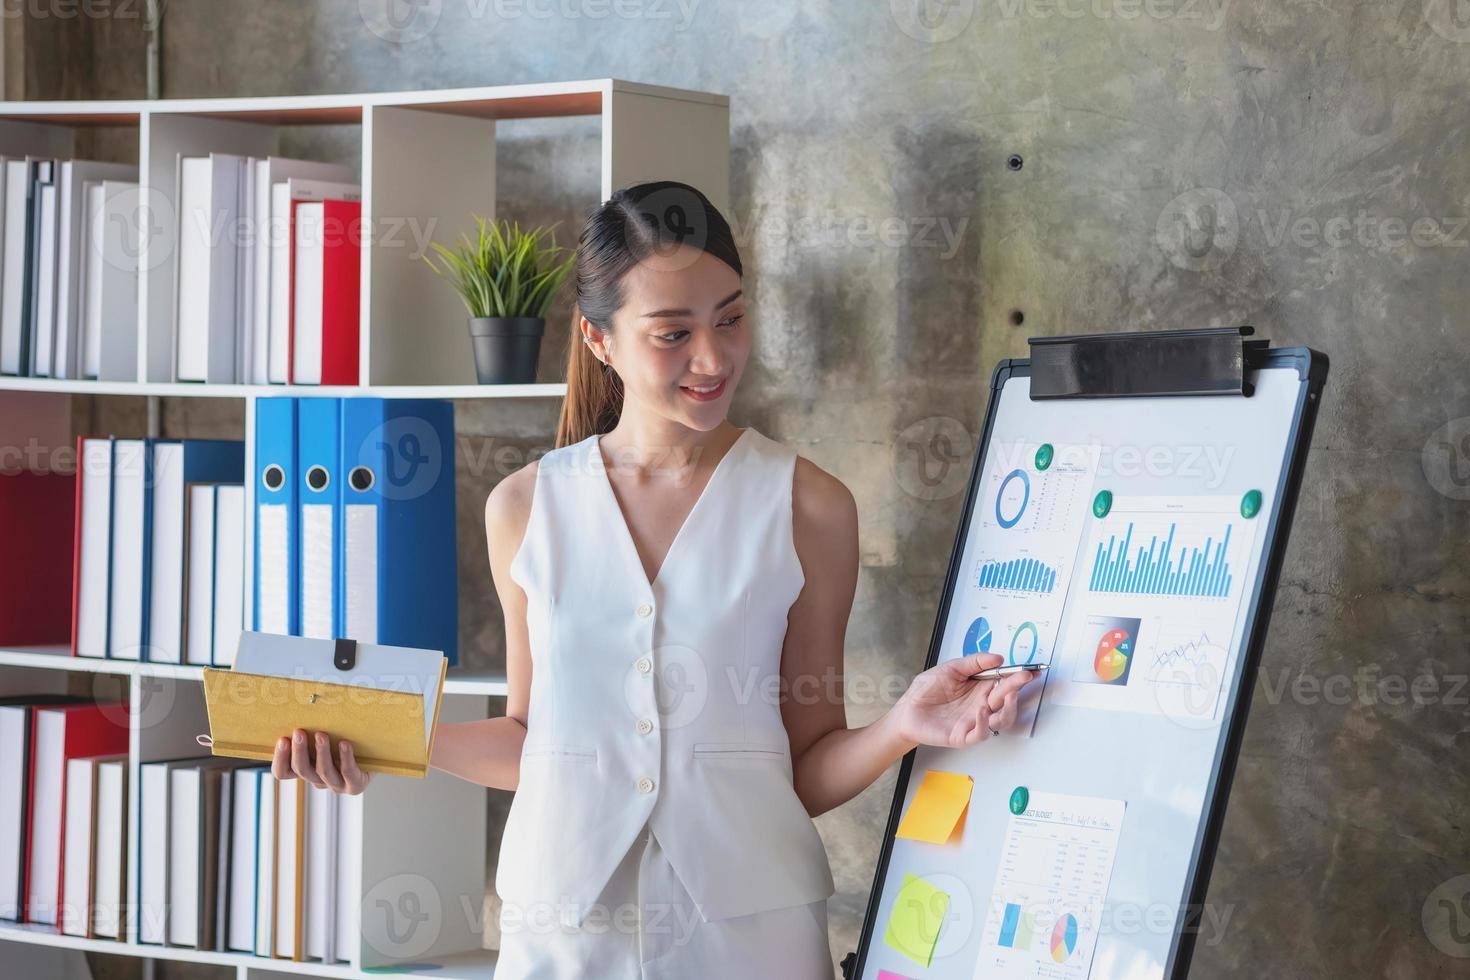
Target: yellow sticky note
column 939, row 805
column 913, row 925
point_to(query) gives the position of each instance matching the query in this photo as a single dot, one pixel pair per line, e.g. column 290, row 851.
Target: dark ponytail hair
column 635, row 223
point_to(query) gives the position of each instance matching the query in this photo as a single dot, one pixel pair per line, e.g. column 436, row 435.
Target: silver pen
column 990, row 673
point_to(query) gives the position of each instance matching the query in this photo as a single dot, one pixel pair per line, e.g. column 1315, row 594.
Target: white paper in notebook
column 378, row 667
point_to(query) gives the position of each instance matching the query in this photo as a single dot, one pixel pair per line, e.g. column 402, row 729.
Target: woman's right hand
column 307, row 755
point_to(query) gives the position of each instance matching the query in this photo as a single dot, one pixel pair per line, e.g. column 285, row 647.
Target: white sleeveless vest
column 658, row 704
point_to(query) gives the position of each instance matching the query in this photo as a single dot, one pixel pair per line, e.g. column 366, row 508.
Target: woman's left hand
column 945, row 708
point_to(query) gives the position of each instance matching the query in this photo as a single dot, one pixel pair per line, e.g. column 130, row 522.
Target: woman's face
column 682, row 327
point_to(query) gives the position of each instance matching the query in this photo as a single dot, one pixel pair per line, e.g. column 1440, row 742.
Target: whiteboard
column 1126, row 740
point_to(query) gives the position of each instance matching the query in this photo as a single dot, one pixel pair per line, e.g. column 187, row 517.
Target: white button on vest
column 606, row 760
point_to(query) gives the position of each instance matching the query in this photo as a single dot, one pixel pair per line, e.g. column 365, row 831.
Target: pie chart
column 1113, row 651
column 1064, row 938
column 977, row 638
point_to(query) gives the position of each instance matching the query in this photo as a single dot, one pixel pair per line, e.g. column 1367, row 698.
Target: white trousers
column 646, row 927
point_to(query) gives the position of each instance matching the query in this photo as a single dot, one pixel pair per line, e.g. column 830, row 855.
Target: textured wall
column 1300, row 166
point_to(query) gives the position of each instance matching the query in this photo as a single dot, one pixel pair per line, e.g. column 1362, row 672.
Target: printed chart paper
column 1047, row 905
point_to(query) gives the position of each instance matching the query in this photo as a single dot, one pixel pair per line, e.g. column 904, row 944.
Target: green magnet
column 1019, row 798
column 1250, row 504
column 1102, row 503
column 1044, row 456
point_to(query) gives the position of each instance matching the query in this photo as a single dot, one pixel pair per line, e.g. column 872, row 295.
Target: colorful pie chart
column 1064, row 938
column 1113, row 651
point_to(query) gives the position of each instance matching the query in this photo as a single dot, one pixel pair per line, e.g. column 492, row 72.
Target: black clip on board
column 1159, row 363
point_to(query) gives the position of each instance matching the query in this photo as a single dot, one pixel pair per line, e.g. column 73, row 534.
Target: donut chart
column 1010, row 499
column 1064, row 938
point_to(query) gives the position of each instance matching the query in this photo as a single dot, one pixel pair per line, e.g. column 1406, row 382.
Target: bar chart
column 1162, row 565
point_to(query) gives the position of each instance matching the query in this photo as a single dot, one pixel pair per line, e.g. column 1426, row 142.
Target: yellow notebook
column 386, row 702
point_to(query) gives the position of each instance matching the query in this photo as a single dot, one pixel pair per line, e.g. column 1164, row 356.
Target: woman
column 676, row 591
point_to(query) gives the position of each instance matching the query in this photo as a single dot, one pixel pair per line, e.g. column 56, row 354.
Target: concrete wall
column 1300, row 166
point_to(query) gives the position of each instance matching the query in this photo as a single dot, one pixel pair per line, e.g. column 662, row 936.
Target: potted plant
column 507, row 279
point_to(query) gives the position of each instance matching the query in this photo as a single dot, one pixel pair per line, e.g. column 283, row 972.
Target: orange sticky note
column 937, row 808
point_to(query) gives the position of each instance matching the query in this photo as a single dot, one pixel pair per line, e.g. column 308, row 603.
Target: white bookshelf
column 425, row 156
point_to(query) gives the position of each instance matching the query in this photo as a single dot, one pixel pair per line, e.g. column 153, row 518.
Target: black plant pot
column 506, row 348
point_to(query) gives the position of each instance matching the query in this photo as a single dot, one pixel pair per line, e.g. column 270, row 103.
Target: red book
column 36, row 525
column 59, row 733
column 326, row 266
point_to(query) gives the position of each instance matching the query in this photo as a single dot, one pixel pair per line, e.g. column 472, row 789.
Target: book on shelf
column 61, row 732
column 36, row 526
column 132, row 549
column 44, row 248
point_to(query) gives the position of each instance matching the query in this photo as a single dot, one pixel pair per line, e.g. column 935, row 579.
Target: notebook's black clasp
column 344, row 657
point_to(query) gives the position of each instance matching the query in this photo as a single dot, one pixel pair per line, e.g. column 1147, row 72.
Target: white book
column 43, row 303
column 321, row 873
column 199, row 589
column 110, row 877
column 240, row 929
column 207, row 268
column 265, row 864
column 152, row 851
column 166, row 561
column 268, row 173
column 221, row 843
column 290, row 839
column 229, row 572
column 94, row 539
column 348, row 891
column 48, row 778
column 106, row 271
column 155, row 831
column 185, row 849
column 128, row 572
column 245, row 271
column 13, row 275
column 282, row 194
column 83, row 827
column 307, row 293
column 14, row 758
column 76, row 844
column 72, row 182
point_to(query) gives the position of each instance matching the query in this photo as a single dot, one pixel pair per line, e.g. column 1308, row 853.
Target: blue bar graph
column 1155, row 570
column 1017, row 575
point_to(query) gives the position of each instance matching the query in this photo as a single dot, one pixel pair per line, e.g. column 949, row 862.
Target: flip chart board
column 1125, row 521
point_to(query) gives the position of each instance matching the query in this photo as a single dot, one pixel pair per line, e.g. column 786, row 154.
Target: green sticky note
column 913, row 925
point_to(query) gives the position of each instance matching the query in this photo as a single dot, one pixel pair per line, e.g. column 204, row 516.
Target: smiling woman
column 674, row 587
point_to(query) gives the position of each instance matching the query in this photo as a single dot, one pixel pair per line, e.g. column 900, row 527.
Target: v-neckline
column 631, row 545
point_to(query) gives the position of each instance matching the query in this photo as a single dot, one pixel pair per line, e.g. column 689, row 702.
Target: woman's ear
column 597, row 340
